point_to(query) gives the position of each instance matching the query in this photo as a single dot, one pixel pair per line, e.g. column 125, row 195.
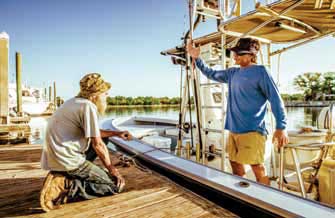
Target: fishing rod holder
column 186, row 127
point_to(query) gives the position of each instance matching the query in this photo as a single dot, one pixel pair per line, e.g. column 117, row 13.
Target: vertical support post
column 45, row 94
column 4, row 49
column 188, row 150
column 298, row 172
column 278, row 70
column 202, row 119
column 184, row 105
column 261, row 54
column 18, row 84
column 223, row 108
column 205, row 153
column 197, row 153
column 269, row 55
column 237, row 8
column 273, row 162
column 281, row 168
column 180, row 121
column 55, row 94
column 226, row 7
column 205, row 140
column 184, row 100
column 192, row 73
column 269, row 110
column 50, row 91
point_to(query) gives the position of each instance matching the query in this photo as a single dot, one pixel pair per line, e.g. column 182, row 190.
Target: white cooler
column 158, row 141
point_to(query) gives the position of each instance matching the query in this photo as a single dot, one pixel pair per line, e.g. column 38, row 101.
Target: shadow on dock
column 146, row 194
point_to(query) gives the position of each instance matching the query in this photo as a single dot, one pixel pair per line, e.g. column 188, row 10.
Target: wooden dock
column 146, row 194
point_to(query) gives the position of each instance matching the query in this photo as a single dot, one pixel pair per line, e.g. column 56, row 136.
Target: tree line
column 315, row 86
column 142, row 100
column 149, row 100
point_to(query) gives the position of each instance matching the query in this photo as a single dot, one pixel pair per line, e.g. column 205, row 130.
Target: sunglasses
column 241, row 54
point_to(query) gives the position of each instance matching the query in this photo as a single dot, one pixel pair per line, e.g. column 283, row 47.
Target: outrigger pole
column 179, row 143
column 190, row 71
column 181, row 111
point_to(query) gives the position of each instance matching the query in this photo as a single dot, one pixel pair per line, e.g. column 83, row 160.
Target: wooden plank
column 25, row 119
column 14, row 127
column 147, row 194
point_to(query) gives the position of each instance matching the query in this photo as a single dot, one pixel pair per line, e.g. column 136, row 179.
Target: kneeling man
column 72, row 142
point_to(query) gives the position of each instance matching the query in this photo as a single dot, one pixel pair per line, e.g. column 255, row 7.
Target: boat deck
column 147, row 194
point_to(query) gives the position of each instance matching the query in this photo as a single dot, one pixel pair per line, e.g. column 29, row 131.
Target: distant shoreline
column 141, row 106
column 286, row 103
column 307, row 103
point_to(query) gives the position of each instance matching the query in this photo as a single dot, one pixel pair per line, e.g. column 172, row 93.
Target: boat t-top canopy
column 282, row 22
column 286, row 21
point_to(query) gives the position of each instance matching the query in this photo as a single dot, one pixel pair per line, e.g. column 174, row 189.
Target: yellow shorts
column 246, row 148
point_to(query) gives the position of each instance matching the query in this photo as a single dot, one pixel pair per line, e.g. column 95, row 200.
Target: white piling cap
column 4, row 35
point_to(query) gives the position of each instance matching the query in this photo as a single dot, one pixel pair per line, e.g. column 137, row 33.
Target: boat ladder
column 211, row 53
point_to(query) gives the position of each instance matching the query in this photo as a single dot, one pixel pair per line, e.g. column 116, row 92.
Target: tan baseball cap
column 93, row 84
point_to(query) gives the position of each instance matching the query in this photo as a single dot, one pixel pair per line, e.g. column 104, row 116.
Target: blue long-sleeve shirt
column 248, row 91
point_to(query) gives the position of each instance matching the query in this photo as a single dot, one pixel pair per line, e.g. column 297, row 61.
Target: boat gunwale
column 261, row 204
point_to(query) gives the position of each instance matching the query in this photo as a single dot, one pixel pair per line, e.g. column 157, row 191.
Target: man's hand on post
column 280, row 136
column 193, row 52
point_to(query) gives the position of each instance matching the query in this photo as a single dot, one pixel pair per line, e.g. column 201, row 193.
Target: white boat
column 33, row 102
column 207, row 181
column 296, row 22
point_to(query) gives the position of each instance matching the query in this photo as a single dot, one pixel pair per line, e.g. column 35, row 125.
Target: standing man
column 72, row 142
column 250, row 86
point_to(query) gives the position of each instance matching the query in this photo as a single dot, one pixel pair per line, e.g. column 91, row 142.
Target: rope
column 131, row 160
column 127, row 160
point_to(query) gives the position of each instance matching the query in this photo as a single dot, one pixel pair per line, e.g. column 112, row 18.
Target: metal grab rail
column 310, row 146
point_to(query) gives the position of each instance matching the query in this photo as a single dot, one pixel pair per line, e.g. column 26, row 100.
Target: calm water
column 297, row 116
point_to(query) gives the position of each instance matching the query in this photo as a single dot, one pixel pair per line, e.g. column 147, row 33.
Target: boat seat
column 323, row 148
column 306, row 156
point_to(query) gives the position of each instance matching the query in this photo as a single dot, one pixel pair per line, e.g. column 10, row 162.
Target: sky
column 62, row 40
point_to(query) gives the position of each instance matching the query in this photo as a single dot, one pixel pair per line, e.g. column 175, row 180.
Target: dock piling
column 50, row 91
column 4, row 47
column 45, row 94
column 55, row 94
column 18, row 84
